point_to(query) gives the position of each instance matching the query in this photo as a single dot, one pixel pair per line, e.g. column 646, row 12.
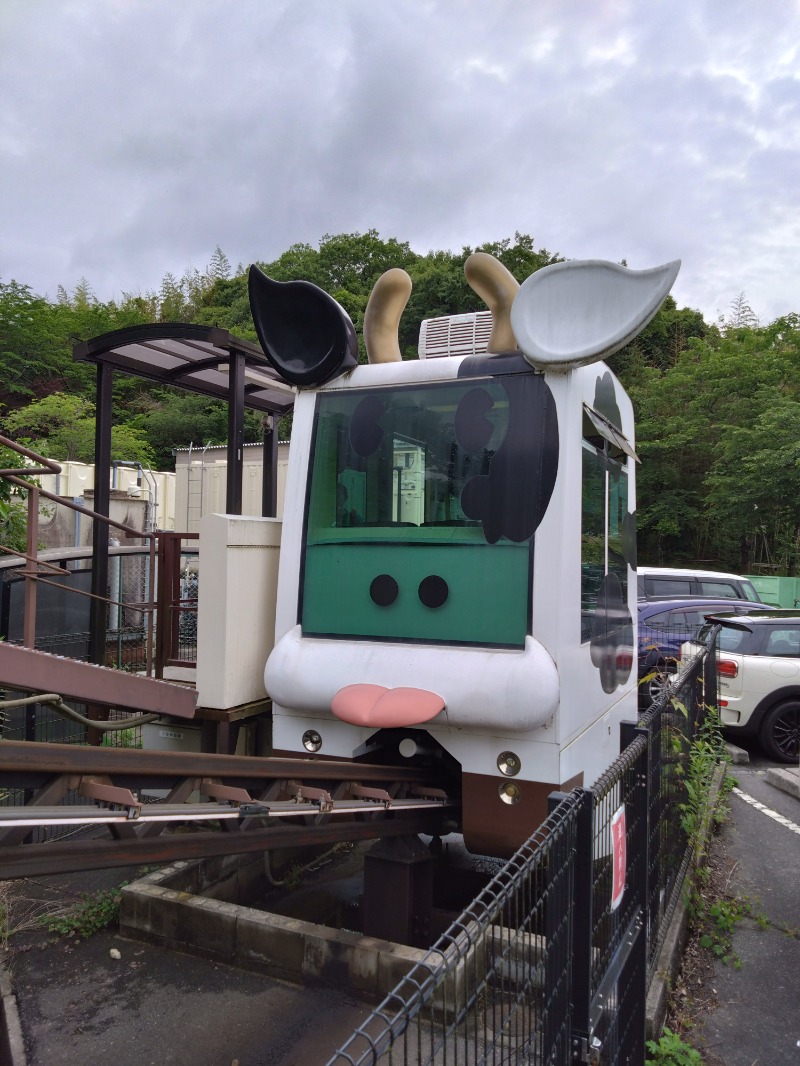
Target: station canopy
column 202, row 359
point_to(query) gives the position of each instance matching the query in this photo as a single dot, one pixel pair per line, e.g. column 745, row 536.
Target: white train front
column 458, row 548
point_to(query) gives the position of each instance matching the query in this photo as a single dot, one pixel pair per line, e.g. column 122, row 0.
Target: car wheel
column 780, row 732
column 658, row 682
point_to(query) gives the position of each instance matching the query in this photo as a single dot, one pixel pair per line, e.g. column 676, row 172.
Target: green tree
column 63, row 427
column 717, row 434
column 13, row 507
column 32, row 354
column 170, row 419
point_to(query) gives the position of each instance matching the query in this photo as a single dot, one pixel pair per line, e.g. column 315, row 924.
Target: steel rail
column 32, row 817
column 38, row 860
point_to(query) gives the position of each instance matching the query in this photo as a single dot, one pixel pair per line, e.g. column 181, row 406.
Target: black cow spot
column 611, row 647
column 473, row 429
column 605, row 399
column 629, row 539
column 366, row 432
column 511, row 500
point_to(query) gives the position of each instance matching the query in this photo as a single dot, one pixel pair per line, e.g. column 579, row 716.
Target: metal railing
column 146, row 584
column 550, row 965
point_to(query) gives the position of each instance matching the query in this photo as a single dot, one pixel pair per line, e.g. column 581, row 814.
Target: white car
column 666, row 582
column 758, row 666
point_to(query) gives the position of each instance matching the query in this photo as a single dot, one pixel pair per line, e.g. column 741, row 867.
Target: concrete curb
column 738, row 756
column 672, row 947
column 165, row 908
column 787, row 780
column 12, row 1045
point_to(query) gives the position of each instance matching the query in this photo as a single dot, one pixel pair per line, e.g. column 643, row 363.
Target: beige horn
column 497, row 287
column 386, row 303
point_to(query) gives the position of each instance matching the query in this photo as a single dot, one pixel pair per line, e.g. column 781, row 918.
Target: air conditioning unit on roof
column 455, row 335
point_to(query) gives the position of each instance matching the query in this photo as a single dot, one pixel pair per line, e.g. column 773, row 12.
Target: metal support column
column 102, row 502
column 233, row 501
column 398, row 892
column 269, row 468
column 31, row 550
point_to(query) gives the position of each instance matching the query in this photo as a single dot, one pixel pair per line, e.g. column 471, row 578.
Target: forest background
column 717, row 404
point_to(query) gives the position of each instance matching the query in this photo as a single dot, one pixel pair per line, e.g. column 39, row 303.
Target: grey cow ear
column 570, row 314
column 306, row 335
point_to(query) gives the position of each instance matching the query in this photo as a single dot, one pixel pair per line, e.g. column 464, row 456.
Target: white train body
column 457, row 577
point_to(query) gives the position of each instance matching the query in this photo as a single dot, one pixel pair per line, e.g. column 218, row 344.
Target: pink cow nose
column 387, row 708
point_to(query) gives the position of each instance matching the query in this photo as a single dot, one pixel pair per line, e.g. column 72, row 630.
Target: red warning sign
column 619, row 857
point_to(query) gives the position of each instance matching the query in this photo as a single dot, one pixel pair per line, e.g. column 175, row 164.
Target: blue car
column 666, row 624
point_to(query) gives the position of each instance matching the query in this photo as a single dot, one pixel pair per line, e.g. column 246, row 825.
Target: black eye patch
column 366, row 432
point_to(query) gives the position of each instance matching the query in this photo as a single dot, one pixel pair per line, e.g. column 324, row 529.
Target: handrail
column 48, row 465
column 31, row 555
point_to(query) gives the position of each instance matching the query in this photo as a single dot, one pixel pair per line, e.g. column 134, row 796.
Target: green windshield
column 390, row 552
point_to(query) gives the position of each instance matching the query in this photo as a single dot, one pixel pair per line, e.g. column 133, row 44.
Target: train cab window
column 387, row 510
column 604, row 507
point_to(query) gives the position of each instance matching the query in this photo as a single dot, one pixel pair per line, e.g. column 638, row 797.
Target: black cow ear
column 306, row 335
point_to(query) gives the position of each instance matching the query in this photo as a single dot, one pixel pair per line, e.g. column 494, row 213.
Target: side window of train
column 604, row 507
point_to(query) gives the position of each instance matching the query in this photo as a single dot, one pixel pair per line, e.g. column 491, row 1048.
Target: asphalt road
column 757, row 1022
column 153, row 1007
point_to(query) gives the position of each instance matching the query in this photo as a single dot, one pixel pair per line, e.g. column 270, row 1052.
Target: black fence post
column 634, row 975
column 710, row 679
column 582, row 920
column 559, row 919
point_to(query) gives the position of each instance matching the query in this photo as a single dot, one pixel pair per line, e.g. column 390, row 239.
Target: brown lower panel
column 492, row 827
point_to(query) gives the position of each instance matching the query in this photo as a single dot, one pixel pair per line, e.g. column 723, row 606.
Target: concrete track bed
column 204, row 908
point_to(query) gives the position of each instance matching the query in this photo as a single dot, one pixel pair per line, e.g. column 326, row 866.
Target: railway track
column 224, row 804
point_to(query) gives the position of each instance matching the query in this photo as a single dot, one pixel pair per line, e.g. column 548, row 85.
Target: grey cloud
column 135, row 137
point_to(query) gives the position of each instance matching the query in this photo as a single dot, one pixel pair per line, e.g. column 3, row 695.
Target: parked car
column 664, row 582
column 759, row 678
column 664, row 625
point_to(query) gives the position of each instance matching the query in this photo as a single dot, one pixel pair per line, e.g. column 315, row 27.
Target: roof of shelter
column 192, row 357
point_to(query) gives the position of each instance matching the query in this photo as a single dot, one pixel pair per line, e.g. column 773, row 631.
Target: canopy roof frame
column 203, row 359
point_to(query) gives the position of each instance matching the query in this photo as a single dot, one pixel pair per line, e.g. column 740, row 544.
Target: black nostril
column 433, row 591
column 383, row 590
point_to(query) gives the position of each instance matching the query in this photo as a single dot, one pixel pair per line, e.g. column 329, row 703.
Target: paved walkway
column 757, row 1022
column 153, row 1007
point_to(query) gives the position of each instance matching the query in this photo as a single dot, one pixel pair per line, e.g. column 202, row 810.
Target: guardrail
column 551, row 963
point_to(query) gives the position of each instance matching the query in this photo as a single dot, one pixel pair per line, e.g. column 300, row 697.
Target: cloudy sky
column 137, row 135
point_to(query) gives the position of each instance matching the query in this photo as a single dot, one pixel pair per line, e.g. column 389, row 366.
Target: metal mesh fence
column 551, row 963
column 63, row 607
column 671, row 723
column 496, row 986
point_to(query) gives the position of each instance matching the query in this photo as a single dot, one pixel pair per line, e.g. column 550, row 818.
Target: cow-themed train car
column 458, row 550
